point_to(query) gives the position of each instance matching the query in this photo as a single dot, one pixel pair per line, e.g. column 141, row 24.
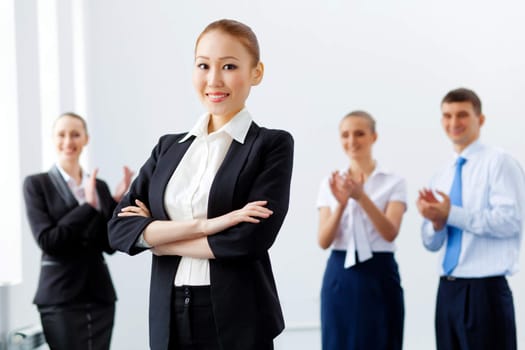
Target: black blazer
column 72, row 238
column 244, row 297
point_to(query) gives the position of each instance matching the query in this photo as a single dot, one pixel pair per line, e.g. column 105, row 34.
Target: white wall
column 21, row 311
column 323, row 59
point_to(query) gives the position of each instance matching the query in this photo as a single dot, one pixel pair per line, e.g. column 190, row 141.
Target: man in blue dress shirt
column 473, row 211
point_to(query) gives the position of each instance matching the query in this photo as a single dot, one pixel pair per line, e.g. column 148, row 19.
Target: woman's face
column 223, row 74
column 357, row 137
column 70, row 137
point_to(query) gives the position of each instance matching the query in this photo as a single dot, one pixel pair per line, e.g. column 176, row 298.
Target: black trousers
column 475, row 314
column 83, row 326
column 193, row 325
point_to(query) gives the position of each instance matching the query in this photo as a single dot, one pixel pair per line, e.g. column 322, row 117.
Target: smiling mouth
column 217, row 97
column 457, row 132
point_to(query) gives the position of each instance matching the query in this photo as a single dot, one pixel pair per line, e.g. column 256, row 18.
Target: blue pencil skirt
column 362, row 307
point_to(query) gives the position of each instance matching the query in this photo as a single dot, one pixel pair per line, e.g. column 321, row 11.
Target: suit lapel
column 167, row 162
column 105, row 199
column 223, row 186
column 62, row 188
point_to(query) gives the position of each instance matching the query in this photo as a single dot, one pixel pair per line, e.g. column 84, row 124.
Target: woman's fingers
column 122, row 214
column 256, row 203
column 142, row 205
column 132, row 210
column 251, row 220
column 258, row 211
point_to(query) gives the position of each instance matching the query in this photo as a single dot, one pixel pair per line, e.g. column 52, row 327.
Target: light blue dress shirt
column 491, row 217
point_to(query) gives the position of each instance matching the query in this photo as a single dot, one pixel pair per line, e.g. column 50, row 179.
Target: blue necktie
column 454, row 234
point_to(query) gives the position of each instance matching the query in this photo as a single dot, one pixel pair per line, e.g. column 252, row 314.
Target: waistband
column 472, row 279
column 192, row 295
column 343, row 252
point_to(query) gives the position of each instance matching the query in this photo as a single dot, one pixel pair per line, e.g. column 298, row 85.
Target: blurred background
column 126, row 66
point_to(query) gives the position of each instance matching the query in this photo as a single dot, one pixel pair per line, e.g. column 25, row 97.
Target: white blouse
column 77, row 190
column 186, row 195
column 382, row 187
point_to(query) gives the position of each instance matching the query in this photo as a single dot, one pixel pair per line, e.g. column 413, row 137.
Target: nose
column 68, row 140
column 214, row 77
column 454, row 121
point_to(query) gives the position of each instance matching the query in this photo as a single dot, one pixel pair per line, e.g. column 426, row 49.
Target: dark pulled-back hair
column 239, row 31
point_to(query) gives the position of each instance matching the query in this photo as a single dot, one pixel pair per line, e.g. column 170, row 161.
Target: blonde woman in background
column 360, row 212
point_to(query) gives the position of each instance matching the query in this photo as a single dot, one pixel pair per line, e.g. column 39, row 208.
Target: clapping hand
column 123, row 185
column 433, row 209
column 343, row 187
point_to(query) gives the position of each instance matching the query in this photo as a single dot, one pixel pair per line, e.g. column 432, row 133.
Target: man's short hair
column 463, row 95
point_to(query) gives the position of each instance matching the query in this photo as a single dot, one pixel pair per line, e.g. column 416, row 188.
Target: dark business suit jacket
column 72, row 238
column 244, row 297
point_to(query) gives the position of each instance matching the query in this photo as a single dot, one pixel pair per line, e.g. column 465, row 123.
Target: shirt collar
column 469, row 151
column 378, row 170
column 68, row 179
column 237, row 127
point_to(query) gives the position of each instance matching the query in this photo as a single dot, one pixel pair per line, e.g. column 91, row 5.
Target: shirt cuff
column 457, row 217
column 141, row 242
column 430, row 234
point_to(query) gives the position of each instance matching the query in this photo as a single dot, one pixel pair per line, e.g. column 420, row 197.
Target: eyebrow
column 220, row 58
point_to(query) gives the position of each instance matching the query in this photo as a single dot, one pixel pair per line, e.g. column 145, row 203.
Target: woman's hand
column 90, row 189
column 249, row 213
column 139, row 210
column 354, row 187
column 339, row 188
column 123, row 185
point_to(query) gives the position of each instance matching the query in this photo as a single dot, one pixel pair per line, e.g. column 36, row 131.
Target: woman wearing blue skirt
column 360, row 213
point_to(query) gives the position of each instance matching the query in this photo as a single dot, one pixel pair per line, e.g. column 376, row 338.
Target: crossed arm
column 188, row 238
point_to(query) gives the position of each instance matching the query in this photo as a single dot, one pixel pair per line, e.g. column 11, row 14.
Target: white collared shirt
column 382, row 187
column 186, row 195
column 77, row 190
column 491, row 218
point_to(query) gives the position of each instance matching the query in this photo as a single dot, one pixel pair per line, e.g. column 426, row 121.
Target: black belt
column 462, row 279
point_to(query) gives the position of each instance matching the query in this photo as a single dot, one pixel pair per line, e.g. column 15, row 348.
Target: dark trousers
column 193, row 324
column 362, row 307
column 83, row 326
column 475, row 314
